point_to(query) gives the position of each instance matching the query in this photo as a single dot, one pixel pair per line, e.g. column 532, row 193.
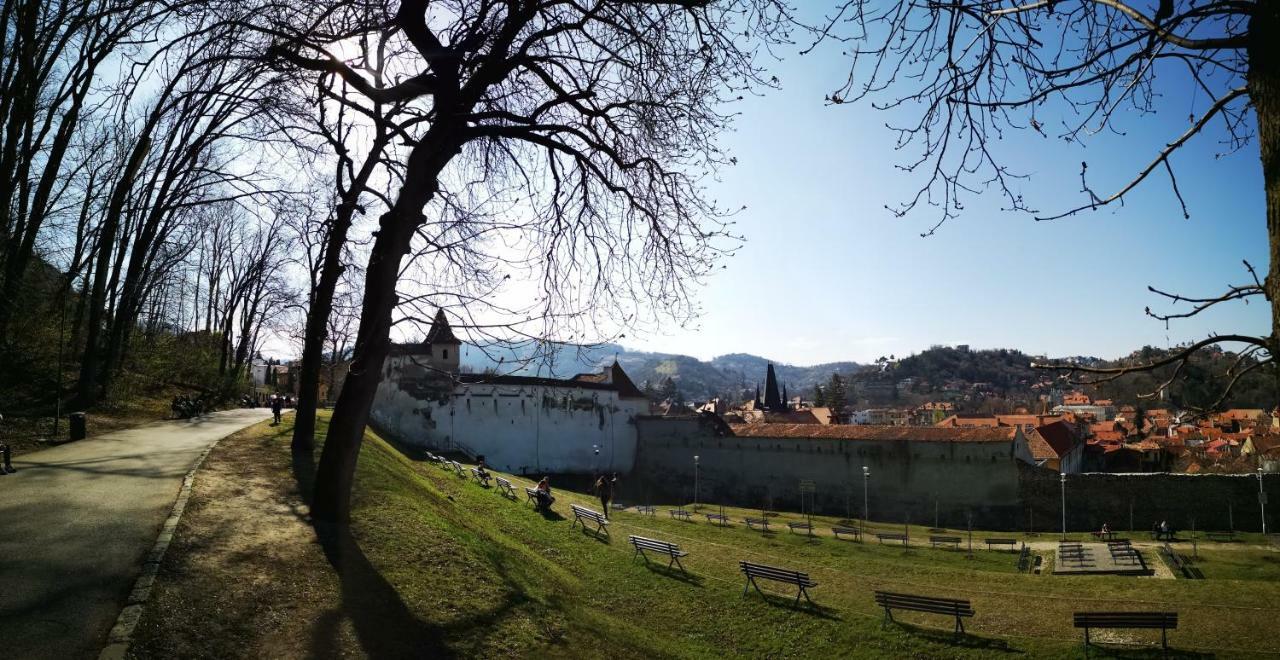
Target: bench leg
column 888, row 618
column 682, row 569
column 959, row 627
column 806, row 597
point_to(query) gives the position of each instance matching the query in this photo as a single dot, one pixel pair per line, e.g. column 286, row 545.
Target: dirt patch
column 245, row 575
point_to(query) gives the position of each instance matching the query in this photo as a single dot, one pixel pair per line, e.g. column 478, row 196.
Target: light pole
column 1262, row 502
column 866, row 475
column 1062, row 478
column 695, row 482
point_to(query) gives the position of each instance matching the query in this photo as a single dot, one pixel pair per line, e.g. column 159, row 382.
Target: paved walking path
column 75, row 523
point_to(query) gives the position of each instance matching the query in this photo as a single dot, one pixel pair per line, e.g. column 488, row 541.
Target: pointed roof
column 441, row 332
column 772, row 399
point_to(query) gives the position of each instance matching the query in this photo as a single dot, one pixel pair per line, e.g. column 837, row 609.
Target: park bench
column 1124, row 552
column 806, row 527
column 892, row 537
column 1181, row 565
column 1024, row 559
column 718, row 518
column 645, row 508
column 682, row 514
column 1162, row 536
column 1101, row 535
column 852, row 531
column 653, row 545
column 531, row 496
column 1012, row 543
column 762, row 523
column 582, row 514
column 504, row 487
column 953, row 541
column 457, row 468
column 949, row 606
column 1112, row 620
column 753, row 571
column 1220, row 536
column 480, row 477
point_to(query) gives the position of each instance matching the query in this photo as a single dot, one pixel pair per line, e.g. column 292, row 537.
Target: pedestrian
column 604, row 490
column 277, row 405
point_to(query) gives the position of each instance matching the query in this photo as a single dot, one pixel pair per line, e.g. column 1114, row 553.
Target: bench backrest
column 1003, row 541
column 799, row 525
column 945, row 539
column 899, row 601
column 775, row 573
column 655, row 545
column 757, row 521
column 896, row 537
column 1126, row 619
column 587, row 513
column 503, row 482
column 845, row 530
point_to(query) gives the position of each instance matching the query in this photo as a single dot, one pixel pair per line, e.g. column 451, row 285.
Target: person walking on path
column 604, row 490
column 277, row 405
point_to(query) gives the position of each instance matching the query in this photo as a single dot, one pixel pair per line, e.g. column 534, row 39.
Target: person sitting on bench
column 545, row 500
column 484, row 474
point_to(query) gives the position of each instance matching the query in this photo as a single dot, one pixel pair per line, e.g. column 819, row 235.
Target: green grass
column 1235, row 563
column 459, row 554
column 446, row 567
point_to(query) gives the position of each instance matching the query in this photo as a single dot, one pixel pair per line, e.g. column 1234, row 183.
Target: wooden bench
column 531, row 496
column 582, row 514
column 1101, row 535
column 753, row 571
column 505, row 489
column 762, row 523
column 892, row 537
column 645, row 508
column 852, row 531
column 653, row 545
column 949, row 606
column 1012, row 543
column 719, row 519
column 457, row 468
column 682, row 514
column 1111, row 620
column 480, row 477
column 806, row 527
column 953, row 541
column 1181, row 565
column 1220, row 536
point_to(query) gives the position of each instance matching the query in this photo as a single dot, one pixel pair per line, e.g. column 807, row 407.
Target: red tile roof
column 865, row 432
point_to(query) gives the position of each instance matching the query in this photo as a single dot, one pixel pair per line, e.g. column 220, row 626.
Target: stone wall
column 908, row 479
column 1213, row 501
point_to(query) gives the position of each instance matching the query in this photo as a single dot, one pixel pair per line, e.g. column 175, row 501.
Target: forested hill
column 725, row 376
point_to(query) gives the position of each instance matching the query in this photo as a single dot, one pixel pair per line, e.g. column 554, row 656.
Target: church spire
column 772, row 400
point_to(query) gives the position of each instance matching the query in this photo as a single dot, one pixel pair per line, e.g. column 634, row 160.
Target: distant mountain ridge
column 727, row 375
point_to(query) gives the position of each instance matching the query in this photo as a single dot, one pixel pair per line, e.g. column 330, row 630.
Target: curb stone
column 122, row 632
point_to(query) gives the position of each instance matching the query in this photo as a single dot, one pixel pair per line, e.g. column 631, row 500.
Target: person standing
column 277, row 405
column 604, row 490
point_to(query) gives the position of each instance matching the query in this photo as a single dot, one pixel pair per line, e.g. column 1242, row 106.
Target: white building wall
column 518, row 428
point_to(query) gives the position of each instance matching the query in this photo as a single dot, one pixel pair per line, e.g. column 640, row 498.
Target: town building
column 522, row 424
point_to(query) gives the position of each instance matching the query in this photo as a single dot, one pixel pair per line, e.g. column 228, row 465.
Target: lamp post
column 866, row 475
column 695, row 482
column 1262, row 502
column 1062, row 479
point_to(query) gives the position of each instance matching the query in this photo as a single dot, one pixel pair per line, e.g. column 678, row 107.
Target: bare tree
column 604, row 114
column 958, row 75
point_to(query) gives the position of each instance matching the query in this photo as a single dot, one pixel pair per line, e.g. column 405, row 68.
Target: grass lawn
column 443, row 567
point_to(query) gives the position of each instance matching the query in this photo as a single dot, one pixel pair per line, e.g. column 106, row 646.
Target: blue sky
column 827, row 273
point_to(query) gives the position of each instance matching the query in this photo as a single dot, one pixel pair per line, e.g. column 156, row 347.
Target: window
column 445, row 353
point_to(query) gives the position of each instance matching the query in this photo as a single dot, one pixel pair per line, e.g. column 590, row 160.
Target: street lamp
column 1262, row 502
column 1062, row 478
column 866, row 475
column 695, row 482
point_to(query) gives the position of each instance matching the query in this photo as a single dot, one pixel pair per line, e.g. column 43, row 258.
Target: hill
column 438, row 566
column 726, row 376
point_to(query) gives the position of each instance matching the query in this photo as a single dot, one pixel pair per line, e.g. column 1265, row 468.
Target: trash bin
column 77, row 426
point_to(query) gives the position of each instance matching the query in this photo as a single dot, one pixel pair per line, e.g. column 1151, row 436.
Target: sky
column 827, row 273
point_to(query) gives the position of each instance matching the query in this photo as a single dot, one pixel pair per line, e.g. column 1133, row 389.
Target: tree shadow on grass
column 675, row 573
column 965, row 640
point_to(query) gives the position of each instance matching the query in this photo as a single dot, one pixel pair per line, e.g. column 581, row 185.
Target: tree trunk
column 304, row 423
column 1264, row 91
column 336, row 470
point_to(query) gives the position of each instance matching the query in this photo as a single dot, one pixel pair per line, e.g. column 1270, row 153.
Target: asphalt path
column 76, row 522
